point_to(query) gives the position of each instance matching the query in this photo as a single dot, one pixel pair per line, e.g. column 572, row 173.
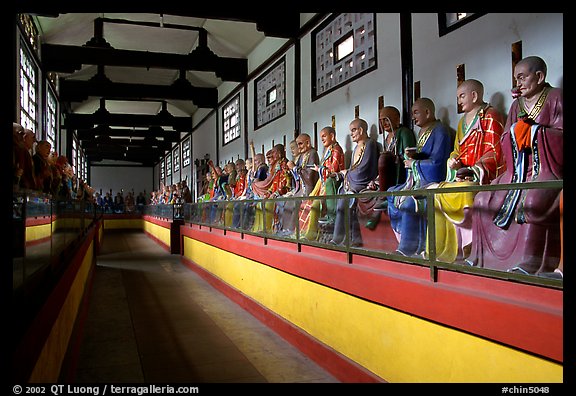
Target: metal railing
column 260, row 217
column 165, row 211
column 45, row 231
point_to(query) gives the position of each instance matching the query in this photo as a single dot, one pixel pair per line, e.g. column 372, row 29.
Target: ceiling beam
column 287, row 25
column 86, row 121
column 117, row 145
column 91, row 134
column 97, row 152
column 68, row 59
column 78, row 91
column 148, row 157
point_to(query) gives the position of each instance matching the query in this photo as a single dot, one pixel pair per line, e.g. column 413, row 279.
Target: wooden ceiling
column 133, row 82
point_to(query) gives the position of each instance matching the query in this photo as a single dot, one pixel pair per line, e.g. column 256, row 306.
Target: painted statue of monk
column 332, row 162
column 519, row 230
column 277, row 183
column 362, row 170
column 476, row 160
column 426, row 164
column 304, row 178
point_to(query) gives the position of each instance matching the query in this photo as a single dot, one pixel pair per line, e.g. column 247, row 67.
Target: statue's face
column 276, row 155
column 355, row 132
column 465, row 98
column 326, row 137
column 294, row 149
column 420, row 115
column 528, row 83
column 303, row 144
column 387, row 120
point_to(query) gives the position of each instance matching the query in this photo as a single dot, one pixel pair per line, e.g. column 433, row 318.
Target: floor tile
column 153, row 320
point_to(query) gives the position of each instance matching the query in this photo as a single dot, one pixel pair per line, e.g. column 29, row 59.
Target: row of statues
column 514, row 230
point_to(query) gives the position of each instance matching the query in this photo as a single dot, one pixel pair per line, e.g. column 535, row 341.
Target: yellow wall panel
column 48, row 365
column 395, row 346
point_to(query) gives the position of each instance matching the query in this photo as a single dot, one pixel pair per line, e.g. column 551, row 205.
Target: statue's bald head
column 426, row 104
column 534, row 64
column 474, row 86
column 392, row 113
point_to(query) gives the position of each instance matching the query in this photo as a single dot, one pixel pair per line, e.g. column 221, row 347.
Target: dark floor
column 153, row 320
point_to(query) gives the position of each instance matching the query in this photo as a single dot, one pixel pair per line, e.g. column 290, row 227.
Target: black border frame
column 176, row 150
column 186, row 140
column 313, row 34
column 265, row 74
column 443, row 27
column 237, row 96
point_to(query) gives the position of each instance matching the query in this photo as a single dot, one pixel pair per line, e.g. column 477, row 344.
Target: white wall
column 203, row 142
column 385, row 81
column 282, row 128
column 121, row 177
column 236, row 147
column 483, row 46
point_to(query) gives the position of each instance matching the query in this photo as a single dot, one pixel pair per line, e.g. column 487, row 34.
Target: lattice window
column 343, row 49
column 270, row 94
column 28, row 88
column 450, row 21
column 30, row 30
column 231, row 120
column 186, row 152
column 176, row 158
column 84, row 166
column 50, row 118
column 75, row 155
column 169, row 165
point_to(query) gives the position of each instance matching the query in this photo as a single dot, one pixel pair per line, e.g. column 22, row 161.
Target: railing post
column 431, row 231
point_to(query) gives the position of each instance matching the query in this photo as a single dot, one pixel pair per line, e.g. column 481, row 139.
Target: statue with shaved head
column 277, row 183
column 363, row 169
column 304, row 177
column 519, row 230
column 426, row 164
column 22, row 158
column 397, row 137
column 391, row 170
column 476, row 160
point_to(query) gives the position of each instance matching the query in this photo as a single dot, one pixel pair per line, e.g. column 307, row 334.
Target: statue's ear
column 541, row 76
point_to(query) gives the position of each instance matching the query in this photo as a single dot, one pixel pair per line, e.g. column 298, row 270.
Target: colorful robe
column 362, row 171
column 391, row 171
column 408, row 213
column 304, row 179
column 332, row 162
column 278, row 182
column 519, row 229
column 478, row 148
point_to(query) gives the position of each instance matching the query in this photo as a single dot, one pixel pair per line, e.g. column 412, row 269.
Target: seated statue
column 277, row 183
column 257, row 170
column 363, row 169
column 426, row 164
column 476, row 160
column 397, row 137
column 391, row 171
column 332, row 162
column 304, row 178
column 519, row 230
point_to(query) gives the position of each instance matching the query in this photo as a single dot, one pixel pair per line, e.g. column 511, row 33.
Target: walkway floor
column 153, row 320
